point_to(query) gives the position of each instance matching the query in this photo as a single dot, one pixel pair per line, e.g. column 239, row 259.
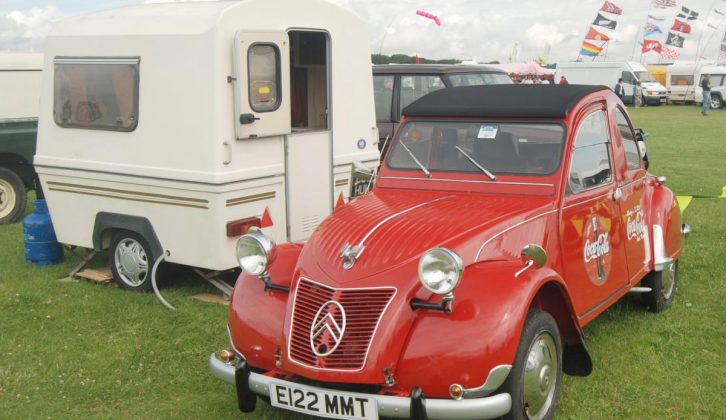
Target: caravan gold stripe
column 128, row 195
column 250, row 198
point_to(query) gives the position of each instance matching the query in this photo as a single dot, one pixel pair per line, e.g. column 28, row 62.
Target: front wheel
column 716, row 102
column 13, row 196
column 131, row 261
column 534, row 382
column 663, row 288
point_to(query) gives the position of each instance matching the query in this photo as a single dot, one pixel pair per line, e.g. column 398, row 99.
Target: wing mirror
column 640, row 137
column 532, row 255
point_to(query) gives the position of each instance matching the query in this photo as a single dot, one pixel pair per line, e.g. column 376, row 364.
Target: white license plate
column 326, row 403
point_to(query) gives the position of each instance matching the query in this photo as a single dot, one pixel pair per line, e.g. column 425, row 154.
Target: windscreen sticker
column 487, row 132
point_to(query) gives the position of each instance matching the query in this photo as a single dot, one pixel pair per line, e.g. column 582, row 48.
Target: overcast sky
column 480, row 30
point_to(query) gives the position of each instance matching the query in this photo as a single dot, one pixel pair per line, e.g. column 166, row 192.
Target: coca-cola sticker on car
column 596, row 249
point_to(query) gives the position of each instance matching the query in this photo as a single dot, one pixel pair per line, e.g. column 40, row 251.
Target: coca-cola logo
column 635, row 222
column 596, row 249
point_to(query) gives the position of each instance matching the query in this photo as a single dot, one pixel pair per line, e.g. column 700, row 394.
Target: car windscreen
column 475, row 146
column 477, row 79
column 644, row 76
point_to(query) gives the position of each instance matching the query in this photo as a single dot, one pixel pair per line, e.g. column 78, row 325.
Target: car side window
column 415, row 86
column 632, row 156
column 383, row 95
column 590, row 166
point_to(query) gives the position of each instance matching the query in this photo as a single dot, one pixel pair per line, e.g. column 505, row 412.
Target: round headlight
column 255, row 252
column 440, row 270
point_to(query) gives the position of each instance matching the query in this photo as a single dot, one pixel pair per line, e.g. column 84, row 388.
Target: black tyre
column 13, row 196
column 534, row 382
column 716, row 102
column 663, row 286
column 131, row 261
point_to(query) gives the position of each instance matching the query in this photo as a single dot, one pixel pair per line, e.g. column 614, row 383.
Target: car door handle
column 617, row 194
column 247, row 118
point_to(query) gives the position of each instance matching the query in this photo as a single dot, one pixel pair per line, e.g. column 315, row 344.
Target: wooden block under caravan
column 97, row 275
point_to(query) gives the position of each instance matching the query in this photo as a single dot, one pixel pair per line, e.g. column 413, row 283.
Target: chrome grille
column 363, row 311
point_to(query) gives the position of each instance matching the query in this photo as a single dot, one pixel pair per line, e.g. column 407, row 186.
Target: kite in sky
column 430, row 16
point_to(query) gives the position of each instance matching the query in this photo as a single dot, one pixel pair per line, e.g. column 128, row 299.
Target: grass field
column 83, row 350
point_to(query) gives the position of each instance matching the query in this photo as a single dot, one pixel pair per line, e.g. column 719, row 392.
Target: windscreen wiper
column 410, row 153
column 471, row 159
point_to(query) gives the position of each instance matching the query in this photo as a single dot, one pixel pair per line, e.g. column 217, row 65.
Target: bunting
column 601, row 20
column 681, row 26
column 687, row 13
column 590, row 50
column 675, row 40
column 651, row 45
column 663, row 4
column 669, row 53
column 651, row 29
column 597, row 36
column 612, row 8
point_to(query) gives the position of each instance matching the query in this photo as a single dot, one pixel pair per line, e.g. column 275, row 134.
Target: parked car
column 396, row 86
column 20, row 76
column 503, row 220
column 608, row 72
column 718, row 85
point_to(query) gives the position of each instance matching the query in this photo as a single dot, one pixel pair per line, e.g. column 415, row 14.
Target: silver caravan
column 170, row 129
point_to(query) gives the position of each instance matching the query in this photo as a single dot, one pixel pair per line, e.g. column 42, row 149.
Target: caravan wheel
column 13, row 196
column 131, row 261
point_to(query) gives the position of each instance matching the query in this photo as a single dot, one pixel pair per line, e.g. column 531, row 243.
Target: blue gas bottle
column 41, row 245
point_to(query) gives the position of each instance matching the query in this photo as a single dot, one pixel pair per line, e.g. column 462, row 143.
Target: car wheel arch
column 552, row 297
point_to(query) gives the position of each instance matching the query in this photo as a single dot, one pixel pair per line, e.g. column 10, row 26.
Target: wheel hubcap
column 7, row 198
column 131, row 262
column 540, row 376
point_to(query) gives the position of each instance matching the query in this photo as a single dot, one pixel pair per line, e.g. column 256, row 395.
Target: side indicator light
column 242, row 226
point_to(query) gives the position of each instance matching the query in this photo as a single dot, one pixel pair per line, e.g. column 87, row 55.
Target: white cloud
column 26, row 31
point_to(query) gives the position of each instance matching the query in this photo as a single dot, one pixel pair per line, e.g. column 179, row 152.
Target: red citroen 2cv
column 502, row 220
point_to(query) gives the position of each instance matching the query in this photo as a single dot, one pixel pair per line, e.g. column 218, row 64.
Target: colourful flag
column 680, row 26
column 670, row 53
column 688, row 14
column 712, row 26
column 722, row 53
column 611, row 8
column 718, row 12
column 663, row 4
column 598, row 36
column 724, row 37
column 590, row 50
column 651, row 45
column 656, row 18
column 675, row 40
column 650, row 29
column 601, row 20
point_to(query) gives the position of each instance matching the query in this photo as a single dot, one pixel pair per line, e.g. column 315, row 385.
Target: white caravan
column 718, row 85
column 170, row 129
column 681, row 80
column 608, row 73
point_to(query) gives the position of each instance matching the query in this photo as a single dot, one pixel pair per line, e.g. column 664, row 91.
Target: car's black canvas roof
column 524, row 100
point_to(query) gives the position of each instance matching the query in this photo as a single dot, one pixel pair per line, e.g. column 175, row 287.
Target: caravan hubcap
column 7, row 198
column 131, row 262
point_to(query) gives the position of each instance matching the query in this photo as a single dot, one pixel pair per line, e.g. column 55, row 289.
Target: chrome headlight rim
column 440, row 254
column 256, row 240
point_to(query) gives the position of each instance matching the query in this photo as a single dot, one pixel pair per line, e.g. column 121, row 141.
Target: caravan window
column 264, row 77
column 96, row 93
column 681, row 79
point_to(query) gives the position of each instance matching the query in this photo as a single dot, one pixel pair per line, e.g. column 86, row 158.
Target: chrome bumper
column 388, row 406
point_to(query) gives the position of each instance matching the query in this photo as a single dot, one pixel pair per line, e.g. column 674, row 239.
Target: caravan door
column 262, row 66
column 309, row 148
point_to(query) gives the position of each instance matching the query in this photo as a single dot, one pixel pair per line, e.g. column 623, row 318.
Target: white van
column 718, row 85
column 680, row 80
column 608, row 73
column 170, row 129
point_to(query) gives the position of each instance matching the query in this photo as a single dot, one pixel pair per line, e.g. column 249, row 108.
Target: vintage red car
column 503, row 219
